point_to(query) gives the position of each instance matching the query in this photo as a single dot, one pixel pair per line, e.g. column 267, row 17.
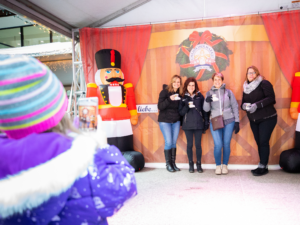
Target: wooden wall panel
column 160, row 66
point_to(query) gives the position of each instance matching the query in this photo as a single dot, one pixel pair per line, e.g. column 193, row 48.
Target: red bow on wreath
column 204, row 38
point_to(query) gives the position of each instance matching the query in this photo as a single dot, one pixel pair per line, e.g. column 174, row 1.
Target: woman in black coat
column 169, row 119
column 258, row 100
column 195, row 120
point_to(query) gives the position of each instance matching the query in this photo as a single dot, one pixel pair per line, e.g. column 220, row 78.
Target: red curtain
column 132, row 42
column 284, row 34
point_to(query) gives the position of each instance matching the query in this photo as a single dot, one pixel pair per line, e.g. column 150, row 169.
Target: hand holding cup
column 172, row 97
column 214, row 98
column 191, row 104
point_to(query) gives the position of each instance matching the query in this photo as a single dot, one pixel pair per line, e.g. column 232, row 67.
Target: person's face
column 176, row 83
column 251, row 75
column 218, row 81
column 110, row 73
column 191, row 87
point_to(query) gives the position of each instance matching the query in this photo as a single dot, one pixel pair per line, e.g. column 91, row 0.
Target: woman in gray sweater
column 221, row 101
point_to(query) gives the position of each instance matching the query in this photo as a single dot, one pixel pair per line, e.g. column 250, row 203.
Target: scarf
column 249, row 87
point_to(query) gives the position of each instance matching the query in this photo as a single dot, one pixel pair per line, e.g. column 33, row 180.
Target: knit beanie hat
column 32, row 99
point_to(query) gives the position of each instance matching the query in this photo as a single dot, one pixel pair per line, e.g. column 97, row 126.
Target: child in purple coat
column 49, row 172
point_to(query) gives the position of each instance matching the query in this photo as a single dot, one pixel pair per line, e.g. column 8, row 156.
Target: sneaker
column 260, row 171
column 218, row 170
column 224, row 169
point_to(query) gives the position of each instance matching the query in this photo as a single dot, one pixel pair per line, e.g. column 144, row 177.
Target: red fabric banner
column 284, row 33
column 132, row 42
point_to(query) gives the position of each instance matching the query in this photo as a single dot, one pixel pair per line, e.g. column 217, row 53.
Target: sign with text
column 147, row 108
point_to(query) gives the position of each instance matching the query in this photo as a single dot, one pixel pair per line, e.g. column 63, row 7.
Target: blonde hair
column 170, row 86
column 64, row 126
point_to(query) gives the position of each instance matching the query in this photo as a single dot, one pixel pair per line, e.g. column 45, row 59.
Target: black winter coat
column 264, row 97
column 193, row 118
column 168, row 109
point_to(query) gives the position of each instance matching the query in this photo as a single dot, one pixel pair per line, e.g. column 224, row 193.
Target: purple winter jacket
column 51, row 179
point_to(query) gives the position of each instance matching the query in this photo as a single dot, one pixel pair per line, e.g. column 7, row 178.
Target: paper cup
column 248, row 105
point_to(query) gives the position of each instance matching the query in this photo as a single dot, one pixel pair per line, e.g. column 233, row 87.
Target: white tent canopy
column 64, row 15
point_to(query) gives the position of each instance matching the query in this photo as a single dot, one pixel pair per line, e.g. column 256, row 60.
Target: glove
column 209, row 98
column 253, row 108
column 244, row 106
column 236, row 127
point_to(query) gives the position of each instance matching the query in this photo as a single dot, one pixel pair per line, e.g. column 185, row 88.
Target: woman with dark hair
column 221, row 101
column 195, row 120
column 169, row 119
column 259, row 100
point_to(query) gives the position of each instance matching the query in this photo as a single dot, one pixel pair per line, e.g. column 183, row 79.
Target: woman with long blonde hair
column 169, row 119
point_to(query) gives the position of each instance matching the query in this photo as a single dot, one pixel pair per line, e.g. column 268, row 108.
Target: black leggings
column 189, row 138
column 262, row 131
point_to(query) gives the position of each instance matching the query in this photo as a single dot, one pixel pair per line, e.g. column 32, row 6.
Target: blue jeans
column 170, row 132
column 222, row 138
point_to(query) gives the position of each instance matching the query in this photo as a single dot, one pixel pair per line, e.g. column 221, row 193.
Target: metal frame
column 78, row 88
column 35, row 13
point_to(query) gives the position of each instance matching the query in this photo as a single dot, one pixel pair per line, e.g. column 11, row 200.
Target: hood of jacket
column 223, row 86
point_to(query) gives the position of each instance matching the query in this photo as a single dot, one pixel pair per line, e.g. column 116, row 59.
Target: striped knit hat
column 32, row 99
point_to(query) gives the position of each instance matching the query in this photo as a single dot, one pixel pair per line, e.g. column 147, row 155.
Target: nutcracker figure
column 290, row 159
column 295, row 106
column 116, row 101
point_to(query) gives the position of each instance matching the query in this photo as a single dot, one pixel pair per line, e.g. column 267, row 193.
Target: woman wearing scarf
column 258, row 100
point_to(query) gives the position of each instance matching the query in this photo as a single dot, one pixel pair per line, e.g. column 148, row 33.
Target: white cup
column 248, row 106
column 177, row 97
column 214, row 97
column 191, row 104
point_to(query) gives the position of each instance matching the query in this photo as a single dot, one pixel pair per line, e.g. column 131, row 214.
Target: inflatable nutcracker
column 116, row 104
column 295, row 106
column 290, row 159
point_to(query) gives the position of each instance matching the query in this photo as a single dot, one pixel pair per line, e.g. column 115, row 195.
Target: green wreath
column 220, row 47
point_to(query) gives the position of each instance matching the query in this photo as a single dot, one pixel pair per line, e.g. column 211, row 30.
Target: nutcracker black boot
column 191, row 169
column 173, row 158
column 168, row 161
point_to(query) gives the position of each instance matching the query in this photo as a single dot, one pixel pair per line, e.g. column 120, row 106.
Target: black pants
column 189, row 138
column 262, row 131
column 124, row 144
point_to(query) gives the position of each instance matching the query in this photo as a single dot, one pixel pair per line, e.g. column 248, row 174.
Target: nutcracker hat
column 32, row 99
column 108, row 58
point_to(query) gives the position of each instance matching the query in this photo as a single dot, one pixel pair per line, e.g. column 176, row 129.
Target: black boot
column 173, row 158
column 191, row 169
column 168, row 161
column 199, row 168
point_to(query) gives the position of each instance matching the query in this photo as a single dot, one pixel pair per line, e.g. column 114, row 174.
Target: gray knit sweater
column 231, row 108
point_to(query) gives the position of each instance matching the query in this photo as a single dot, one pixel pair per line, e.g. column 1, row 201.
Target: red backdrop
column 132, row 42
column 284, row 35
